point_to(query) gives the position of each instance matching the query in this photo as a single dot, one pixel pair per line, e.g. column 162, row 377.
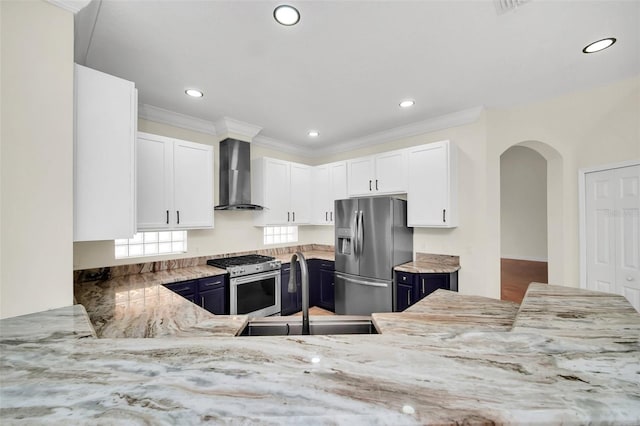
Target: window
column 280, row 234
column 152, row 244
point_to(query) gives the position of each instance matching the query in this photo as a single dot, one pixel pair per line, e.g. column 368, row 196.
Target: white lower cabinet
column 175, row 184
column 283, row 189
column 104, row 198
column 380, row 174
column 328, row 183
column 432, row 196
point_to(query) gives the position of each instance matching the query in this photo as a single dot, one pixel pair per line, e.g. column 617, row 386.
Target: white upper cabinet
column 175, row 183
column 300, row 193
column 193, row 197
column 379, row 174
column 283, row 189
column 432, row 196
column 104, row 156
column 328, row 183
column 155, row 181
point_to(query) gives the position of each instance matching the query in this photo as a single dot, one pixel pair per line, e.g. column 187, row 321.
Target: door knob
column 629, row 278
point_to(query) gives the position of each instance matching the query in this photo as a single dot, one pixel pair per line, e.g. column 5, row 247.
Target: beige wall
column 36, row 158
column 588, row 128
column 523, row 204
column 233, row 230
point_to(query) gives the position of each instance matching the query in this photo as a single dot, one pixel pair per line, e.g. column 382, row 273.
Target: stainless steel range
column 254, row 285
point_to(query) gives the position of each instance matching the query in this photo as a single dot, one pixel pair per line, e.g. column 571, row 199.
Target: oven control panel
column 241, row 270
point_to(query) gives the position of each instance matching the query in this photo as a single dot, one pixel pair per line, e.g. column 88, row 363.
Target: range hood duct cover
column 235, row 176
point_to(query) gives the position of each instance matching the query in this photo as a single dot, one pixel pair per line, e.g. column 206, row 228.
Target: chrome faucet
column 292, row 288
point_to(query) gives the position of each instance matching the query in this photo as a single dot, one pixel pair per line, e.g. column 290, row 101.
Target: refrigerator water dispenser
column 344, row 236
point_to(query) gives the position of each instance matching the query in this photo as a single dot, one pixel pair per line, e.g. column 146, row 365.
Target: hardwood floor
column 516, row 275
column 314, row 310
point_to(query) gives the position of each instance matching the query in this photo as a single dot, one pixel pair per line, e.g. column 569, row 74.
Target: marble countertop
column 57, row 372
column 138, row 305
column 427, row 263
column 448, row 311
column 591, row 314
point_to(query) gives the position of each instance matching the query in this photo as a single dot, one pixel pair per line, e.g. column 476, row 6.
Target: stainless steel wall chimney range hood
column 235, row 176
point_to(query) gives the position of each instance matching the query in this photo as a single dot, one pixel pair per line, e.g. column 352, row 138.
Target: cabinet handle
column 376, row 184
column 294, row 216
column 423, row 286
column 408, row 299
column 331, row 216
column 202, row 302
column 178, row 213
column 288, row 216
column 369, row 184
column 326, row 216
column 444, row 216
column 167, row 217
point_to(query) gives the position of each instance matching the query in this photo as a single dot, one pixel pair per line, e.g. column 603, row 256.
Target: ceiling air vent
column 504, row 6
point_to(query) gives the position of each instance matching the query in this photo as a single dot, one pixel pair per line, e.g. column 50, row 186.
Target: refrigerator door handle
column 355, row 232
column 360, row 231
column 361, row 282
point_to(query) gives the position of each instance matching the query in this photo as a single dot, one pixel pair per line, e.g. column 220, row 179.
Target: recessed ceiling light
column 195, row 93
column 314, row 133
column 286, row 15
column 407, row 103
column 599, row 45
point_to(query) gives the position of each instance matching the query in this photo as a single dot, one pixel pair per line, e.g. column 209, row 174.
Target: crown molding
column 159, row 115
column 73, row 6
column 230, row 126
column 227, row 126
column 446, row 121
column 279, row 145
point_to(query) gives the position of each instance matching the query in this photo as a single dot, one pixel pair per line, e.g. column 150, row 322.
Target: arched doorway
column 530, row 188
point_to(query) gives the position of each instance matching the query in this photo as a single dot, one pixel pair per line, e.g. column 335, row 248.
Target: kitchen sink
column 287, row 326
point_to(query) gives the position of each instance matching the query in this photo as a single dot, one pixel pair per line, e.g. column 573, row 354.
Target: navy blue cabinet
column 406, row 293
column 186, row 289
column 321, row 287
column 326, row 286
column 412, row 287
column 291, row 302
column 210, row 293
column 428, row 283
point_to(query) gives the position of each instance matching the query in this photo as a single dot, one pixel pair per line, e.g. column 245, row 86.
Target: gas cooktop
column 245, row 265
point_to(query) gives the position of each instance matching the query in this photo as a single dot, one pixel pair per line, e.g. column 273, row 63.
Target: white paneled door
column 612, row 205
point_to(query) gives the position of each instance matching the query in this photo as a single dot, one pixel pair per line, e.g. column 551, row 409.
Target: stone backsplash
column 109, row 272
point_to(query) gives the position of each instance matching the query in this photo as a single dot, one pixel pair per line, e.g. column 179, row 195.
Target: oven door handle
column 254, row 277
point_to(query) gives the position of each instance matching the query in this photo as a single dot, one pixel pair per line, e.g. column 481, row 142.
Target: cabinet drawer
column 209, row 283
column 405, row 278
column 183, row 288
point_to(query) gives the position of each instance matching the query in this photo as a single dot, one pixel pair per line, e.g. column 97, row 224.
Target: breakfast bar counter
column 66, row 375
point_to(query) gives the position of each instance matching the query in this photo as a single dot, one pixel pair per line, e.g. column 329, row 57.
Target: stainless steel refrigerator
column 371, row 238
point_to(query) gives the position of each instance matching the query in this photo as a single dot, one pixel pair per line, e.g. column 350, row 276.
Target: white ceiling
column 347, row 64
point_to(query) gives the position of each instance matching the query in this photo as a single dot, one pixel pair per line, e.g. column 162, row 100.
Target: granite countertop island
column 53, row 370
column 138, row 304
